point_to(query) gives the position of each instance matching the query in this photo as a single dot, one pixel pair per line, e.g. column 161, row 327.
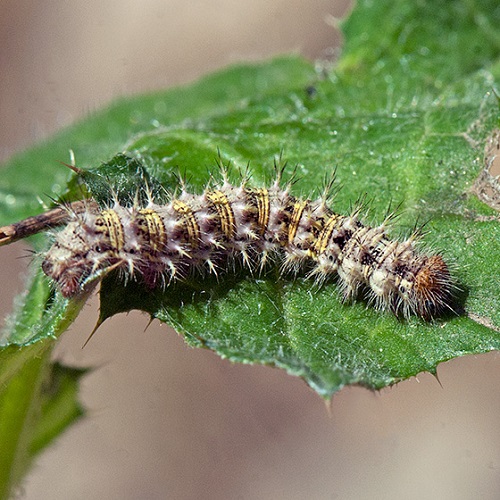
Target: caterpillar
column 158, row 243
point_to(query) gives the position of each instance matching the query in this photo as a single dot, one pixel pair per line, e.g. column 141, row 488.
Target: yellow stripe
column 155, row 229
column 115, row 228
column 189, row 220
column 224, row 211
column 261, row 197
column 298, row 210
column 259, row 201
column 321, row 243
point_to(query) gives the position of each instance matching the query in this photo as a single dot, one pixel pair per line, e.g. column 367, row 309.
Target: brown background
column 166, row 421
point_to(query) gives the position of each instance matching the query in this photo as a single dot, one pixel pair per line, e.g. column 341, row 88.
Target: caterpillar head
column 433, row 287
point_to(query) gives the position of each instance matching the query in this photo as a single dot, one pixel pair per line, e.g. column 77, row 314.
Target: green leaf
column 413, row 135
column 403, row 116
column 58, row 404
column 37, row 402
column 37, row 398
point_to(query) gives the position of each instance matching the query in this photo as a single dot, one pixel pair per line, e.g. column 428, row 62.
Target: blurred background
column 167, row 421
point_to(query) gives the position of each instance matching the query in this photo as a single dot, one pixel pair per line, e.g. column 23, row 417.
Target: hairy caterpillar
column 158, row 243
